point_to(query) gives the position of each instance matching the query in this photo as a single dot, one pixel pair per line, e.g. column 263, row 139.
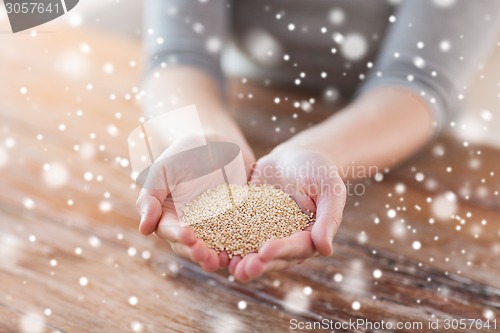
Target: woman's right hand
column 158, row 210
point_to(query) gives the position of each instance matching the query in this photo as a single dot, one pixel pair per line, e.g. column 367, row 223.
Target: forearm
column 177, row 86
column 380, row 129
column 181, row 70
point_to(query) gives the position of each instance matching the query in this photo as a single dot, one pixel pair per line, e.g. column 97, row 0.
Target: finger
column 297, row 246
column 329, row 211
column 181, row 250
column 233, row 263
column 240, row 273
column 169, row 228
column 149, row 206
column 184, row 235
column 200, row 251
column 211, row 263
column 253, row 265
column 223, row 259
column 278, row 265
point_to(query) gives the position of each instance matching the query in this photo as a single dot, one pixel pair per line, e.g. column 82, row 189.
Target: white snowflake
column 55, row 175
column 444, row 206
column 32, row 323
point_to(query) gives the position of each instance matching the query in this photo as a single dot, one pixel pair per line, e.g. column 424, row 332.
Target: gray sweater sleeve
column 188, row 32
column 434, row 47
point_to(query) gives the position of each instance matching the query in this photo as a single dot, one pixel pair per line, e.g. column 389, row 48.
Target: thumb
column 150, row 202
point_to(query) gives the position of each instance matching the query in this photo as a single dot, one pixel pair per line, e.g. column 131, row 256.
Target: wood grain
column 54, row 239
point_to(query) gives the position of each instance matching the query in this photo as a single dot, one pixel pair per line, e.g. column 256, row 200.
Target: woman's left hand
column 314, row 183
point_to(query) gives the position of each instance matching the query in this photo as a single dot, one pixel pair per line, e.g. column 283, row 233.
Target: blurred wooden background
column 71, row 259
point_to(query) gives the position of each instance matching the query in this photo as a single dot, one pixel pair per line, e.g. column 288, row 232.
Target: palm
column 316, row 187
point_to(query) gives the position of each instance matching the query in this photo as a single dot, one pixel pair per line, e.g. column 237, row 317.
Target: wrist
column 177, row 86
column 230, row 133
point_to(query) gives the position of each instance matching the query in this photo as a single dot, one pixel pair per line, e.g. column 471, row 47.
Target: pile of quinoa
column 239, row 219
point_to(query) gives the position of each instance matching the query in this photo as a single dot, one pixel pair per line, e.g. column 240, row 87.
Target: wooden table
column 71, row 259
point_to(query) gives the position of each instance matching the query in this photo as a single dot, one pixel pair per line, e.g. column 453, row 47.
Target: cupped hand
column 159, row 211
column 314, row 183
